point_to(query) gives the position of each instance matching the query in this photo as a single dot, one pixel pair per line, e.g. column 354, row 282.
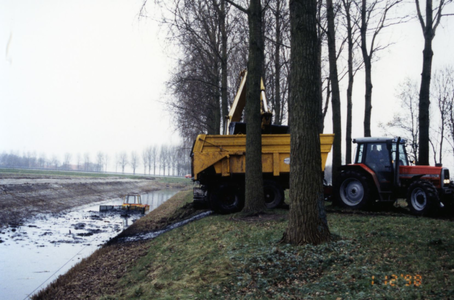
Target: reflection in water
column 125, row 222
column 36, row 253
column 156, row 198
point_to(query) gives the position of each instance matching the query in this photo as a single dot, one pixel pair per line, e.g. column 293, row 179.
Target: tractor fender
column 416, row 177
column 369, row 173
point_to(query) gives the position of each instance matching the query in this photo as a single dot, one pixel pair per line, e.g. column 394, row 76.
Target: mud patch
column 99, row 274
column 22, row 198
column 48, row 245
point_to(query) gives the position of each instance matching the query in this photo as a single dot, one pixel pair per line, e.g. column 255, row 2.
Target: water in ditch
column 36, row 253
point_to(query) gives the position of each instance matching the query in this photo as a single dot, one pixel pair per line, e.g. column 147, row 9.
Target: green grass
column 183, row 180
column 221, row 257
column 60, row 173
column 90, row 174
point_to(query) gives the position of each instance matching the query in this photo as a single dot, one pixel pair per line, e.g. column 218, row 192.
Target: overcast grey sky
column 88, row 76
column 81, row 76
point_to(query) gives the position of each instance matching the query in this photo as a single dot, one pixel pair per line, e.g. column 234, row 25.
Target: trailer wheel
column 422, row 197
column 227, row 198
column 354, row 190
column 274, row 194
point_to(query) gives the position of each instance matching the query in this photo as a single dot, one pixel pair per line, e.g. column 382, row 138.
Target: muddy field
column 22, row 197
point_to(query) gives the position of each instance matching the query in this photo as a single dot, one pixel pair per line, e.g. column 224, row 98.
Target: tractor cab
column 379, row 157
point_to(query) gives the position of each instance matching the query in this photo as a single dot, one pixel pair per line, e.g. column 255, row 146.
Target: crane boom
column 236, row 110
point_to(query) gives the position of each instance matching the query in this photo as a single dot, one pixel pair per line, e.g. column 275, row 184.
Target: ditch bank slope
column 24, row 197
column 100, row 274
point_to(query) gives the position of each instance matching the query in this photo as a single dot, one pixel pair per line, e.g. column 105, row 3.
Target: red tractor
column 377, row 176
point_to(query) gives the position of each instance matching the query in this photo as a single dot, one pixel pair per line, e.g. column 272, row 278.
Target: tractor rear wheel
column 353, row 191
column 422, row 197
column 274, row 194
column 226, row 198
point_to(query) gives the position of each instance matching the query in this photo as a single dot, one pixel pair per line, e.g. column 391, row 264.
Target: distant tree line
column 167, row 160
column 33, row 161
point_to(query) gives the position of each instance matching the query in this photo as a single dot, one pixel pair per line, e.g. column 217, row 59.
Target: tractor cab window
column 360, row 154
column 377, row 157
column 403, row 161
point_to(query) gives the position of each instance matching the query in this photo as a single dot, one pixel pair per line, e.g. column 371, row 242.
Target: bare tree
column 205, row 32
column 99, row 161
column 277, row 50
column 122, row 161
column 443, row 93
column 67, row 161
column 374, row 18
column 307, row 218
column 154, row 158
column 182, row 161
column 222, row 12
column 134, row 162
column 429, row 23
column 12, row 160
column 351, row 17
column 86, row 161
column 79, row 160
column 146, row 153
column 42, row 160
column 450, row 123
column 106, row 161
column 173, row 156
column 335, row 100
column 54, row 161
column 405, row 122
column 163, row 159
column 31, row 159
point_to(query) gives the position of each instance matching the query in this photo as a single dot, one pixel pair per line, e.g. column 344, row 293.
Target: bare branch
column 246, row 11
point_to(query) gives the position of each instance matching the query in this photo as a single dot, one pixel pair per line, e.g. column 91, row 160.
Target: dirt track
column 22, row 197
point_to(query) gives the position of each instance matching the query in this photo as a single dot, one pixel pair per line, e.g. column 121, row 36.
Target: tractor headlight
column 446, row 177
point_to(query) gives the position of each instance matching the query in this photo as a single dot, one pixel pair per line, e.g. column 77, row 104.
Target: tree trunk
column 348, row 134
column 368, row 71
column 224, row 58
column 277, row 66
column 424, row 93
column 254, row 201
column 335, row 100
column 307, row 218
column 216, row 109
column 319, row 68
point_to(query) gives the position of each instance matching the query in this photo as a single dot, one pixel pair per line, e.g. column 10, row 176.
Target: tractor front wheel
column 353, row 191
column 422, row 197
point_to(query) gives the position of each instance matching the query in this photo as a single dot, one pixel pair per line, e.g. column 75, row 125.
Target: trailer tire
column 226, row 198
column 353, row 190
column 273, row 193
column 422, row 197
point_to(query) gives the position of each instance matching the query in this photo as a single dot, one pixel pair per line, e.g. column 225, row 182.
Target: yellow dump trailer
column 219, row 162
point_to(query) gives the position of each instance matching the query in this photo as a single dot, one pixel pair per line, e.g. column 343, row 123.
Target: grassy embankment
column 387, row 256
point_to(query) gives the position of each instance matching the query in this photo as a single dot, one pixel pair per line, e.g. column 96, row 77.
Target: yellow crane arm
column 236, row 110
